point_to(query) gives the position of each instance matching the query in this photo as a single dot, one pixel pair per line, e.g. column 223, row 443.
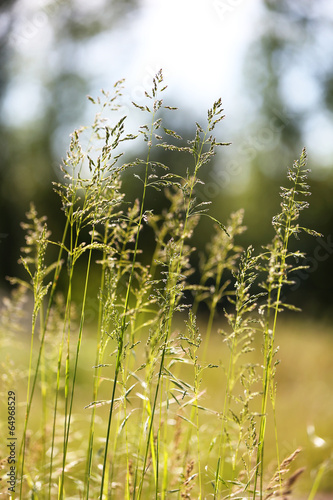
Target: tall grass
column 147, row 431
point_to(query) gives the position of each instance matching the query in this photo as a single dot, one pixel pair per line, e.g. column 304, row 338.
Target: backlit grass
column 145, row 398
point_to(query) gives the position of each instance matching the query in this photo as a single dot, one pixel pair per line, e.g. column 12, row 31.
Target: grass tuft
column 125, row 408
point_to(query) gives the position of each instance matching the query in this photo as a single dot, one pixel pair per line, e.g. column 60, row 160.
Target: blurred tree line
column 294, row 43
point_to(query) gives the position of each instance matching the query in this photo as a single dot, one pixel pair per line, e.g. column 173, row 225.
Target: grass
column 157, row 403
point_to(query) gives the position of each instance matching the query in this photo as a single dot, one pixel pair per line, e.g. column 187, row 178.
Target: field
column 304, row 400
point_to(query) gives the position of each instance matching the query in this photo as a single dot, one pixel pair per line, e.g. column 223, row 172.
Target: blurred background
column 270, row 61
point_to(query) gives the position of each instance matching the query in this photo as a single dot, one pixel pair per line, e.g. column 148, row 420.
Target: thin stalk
column 171, row 308
column 165, row 440
column 58, row 378
column 43, row 395
column 209, row 328
column 96, row 376
column 67, row 324
column 39, row 357
column 28, row 408
column 67, row 321
column 270, row 336
column 156, row 460
column 140, row 440
column 126, row 305
column 78, row 346
column 198, row 431
column 114, row 465
column 317, row 481
column 100, row 351
column 127, row 457
column 212, row 311
column 276, row 442
column 55, row 411
column 226, row 404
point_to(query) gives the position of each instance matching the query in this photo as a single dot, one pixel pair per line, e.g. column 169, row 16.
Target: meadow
column 134, row 392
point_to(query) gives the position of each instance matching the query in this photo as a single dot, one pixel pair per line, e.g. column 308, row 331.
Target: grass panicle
column 123, row 374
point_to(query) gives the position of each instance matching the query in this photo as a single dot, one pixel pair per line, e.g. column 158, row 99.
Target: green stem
column 78, row 346
column 39, row 357
column 269, row 338
column 96, row 377
column 170, row 311
column 123, row 324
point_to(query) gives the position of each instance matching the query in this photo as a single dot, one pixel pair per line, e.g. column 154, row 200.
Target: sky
column 201, row 57
column 201, row 46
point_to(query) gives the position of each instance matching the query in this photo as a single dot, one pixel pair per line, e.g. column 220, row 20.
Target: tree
column 38, row 51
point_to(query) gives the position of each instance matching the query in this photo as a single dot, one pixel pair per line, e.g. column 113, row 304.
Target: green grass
column 304, row 396
column 150, row 400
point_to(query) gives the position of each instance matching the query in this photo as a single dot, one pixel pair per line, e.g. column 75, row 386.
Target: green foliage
column 154, row 440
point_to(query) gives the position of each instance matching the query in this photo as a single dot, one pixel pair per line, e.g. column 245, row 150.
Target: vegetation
column 150, row 432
